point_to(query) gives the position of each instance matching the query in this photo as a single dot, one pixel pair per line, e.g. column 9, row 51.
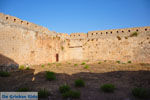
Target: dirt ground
column 125, row 76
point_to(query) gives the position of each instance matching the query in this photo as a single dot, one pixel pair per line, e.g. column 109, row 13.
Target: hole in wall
column 21, row 22
column 6, row 18
column 122, row 31
column 111, row 32
column 137, row 30
column 117, row 31
column 14, row 20
column 128, row 30
column 118, row 37
column 145, row 29
column 106, row 32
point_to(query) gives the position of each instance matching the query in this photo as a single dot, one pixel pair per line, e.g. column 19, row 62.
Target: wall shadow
column 124, row 81
column 7, row 64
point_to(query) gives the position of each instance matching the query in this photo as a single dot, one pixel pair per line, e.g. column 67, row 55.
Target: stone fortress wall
column 28, row 43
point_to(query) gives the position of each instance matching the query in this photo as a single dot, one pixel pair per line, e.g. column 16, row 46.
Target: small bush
column 21, row 67
column 4, row 74
column 108, row 88
column 49, row 64
column 140, row 93
column 99, row 62
column 25, row 89
column 79, row 83
column 105, row 60
column 71, row 94
column 134, row 34
column 62, row 48
column 27, row 68
column 86, row 67
column 118, row 62
column 64, row 88
column 50, row 76
column 129, row 62
column 58, row 64
column 75, row 64
column 83, row 63
column 43, row 93
column 43, row 66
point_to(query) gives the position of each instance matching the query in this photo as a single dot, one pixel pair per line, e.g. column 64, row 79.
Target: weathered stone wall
column 28, row 43
column 117, row 44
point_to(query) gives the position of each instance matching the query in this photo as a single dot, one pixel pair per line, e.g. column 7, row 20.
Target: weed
column 71, row 94
column 27, row 68
column 99, row 62
column 86, row 66
column 129, row 62
column 25, row 89
column 118, row 62
column 4, row 74
column 83, row 63
column 134, row 34
column 140, row 92
column 43, row 66
column 50, row 76
column 75, row 64
column 21, row 67
column 79, row 83
column 64, row 88
column 43, row 93
column 108, row 88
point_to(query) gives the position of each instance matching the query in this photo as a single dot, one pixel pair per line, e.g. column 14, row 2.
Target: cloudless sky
column 69, row 16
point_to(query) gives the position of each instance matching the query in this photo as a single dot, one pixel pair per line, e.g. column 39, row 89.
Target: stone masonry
column 23, row 42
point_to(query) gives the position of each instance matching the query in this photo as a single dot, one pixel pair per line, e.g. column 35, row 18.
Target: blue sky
column 69, row 16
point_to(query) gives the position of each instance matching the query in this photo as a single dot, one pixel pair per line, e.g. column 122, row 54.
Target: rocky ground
column 125, row 76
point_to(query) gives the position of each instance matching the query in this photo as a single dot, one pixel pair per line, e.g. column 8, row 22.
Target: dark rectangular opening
column 57, row 57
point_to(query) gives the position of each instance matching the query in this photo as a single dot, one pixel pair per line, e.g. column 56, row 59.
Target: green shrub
column 64, row 88
column 58, row 64
column 134, row 34
column 50, row 76
column 140, row 92
column 42, row 66
column 71, row 94
column 21, row 67
column 129, row 62
column 105, row 60
column 86, row 67
column 108, row 88
column 27, row 68
column 75, row 64
column 49, row 64
column 79, row 83
column 43, row 93
column 25, row 89
column 99, row 62
column 118, row 62
column 62, row 48
column 4, row 74
column 83, row 63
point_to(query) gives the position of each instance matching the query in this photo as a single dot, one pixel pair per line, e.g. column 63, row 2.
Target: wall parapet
column 22, row 23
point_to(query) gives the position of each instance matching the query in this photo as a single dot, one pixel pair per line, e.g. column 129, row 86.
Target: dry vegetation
column 83, row 81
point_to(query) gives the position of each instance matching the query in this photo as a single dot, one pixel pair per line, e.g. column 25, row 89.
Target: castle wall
column 25, row 44
column 28, row 43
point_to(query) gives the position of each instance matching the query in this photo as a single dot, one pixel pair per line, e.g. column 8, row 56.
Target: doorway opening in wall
column 57, row 57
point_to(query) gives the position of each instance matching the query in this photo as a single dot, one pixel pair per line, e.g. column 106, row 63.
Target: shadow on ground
column 123, row 80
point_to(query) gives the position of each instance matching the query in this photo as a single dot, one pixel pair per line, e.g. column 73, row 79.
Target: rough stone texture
column 28, row 43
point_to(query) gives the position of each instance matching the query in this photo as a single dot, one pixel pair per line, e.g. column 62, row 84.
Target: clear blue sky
column 80, row 15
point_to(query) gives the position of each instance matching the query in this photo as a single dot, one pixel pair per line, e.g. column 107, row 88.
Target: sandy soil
column 123, row 76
